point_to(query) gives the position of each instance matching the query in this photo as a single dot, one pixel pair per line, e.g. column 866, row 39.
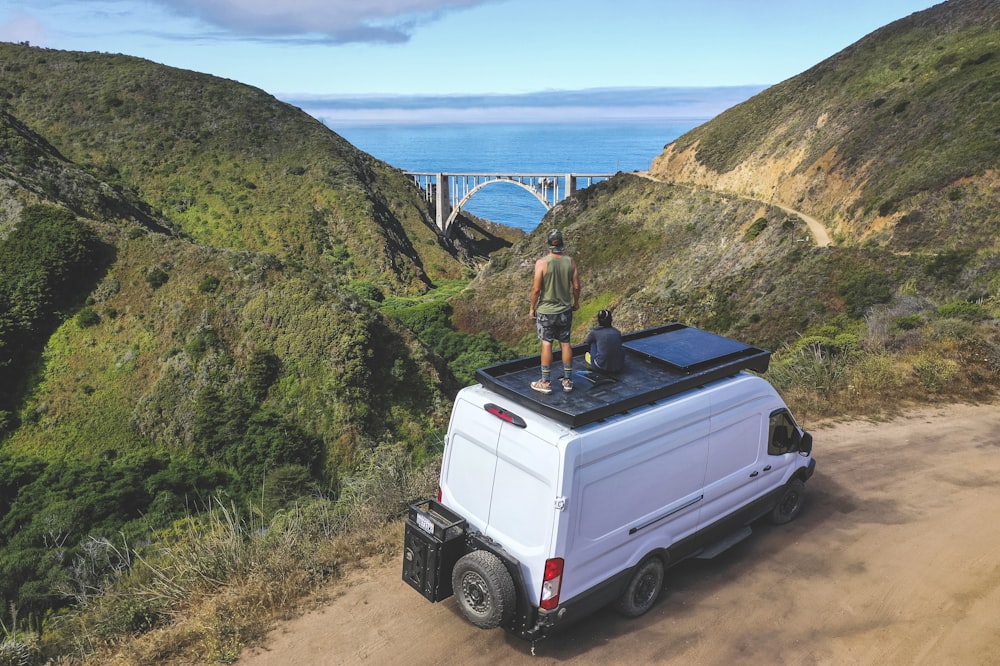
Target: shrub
column 156, row 277
column 199, row 344
column 87, row 317
column 874, row 376
column 956, row 329
column 907, row 322
column 755, row 229
column 948, row 265
column 933, row 372
column 366, row 291
column 863, row 290
column 283, row 486
column 262, row 370
column 962, row 310
column 208, row 285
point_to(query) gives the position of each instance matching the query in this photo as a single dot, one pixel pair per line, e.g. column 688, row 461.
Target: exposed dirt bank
column 895, row 559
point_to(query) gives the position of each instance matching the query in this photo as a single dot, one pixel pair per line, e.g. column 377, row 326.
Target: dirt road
column 816, row 228
column 895, row 559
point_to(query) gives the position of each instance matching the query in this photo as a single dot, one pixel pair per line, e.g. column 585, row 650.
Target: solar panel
column 659, row 362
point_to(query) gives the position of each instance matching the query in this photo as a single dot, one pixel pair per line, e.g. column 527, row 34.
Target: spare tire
column 484, row 589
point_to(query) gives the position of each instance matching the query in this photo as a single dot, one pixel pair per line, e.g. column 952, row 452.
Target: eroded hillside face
column 882, row 134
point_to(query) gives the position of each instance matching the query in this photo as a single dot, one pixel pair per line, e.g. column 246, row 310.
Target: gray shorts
column 554, row 327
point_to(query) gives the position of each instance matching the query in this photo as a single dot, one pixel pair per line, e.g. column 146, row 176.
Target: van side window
column 782, row 435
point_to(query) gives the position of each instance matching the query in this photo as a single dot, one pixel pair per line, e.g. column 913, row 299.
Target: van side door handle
column 767, row 469
column 754, row 473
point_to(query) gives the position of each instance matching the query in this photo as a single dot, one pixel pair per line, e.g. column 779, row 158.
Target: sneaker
column 542, row 386
column 567, row 384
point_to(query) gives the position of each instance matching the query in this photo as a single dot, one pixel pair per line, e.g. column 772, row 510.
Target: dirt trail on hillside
column 895, row 559
column 816, row 228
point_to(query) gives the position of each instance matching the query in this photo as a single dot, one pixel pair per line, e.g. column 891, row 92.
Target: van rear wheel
column 642, row 590
column 484, row 588
column 790, row 503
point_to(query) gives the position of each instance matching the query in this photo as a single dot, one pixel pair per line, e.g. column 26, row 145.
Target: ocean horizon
column 596, row 147
column 600, row 130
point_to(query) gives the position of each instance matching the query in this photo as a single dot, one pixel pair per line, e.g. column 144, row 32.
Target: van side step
column 723, row 544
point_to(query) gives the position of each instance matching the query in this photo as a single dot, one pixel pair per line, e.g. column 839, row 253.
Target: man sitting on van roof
column 605, row 343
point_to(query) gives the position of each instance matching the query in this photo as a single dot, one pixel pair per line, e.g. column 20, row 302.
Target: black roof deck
column 659, row 362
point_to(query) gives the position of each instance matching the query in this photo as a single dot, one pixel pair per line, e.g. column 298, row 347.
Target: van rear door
column 525, row 498
column 470, row 462
column 503, row 479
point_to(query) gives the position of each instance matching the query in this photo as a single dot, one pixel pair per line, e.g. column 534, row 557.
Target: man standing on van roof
column 555, row 295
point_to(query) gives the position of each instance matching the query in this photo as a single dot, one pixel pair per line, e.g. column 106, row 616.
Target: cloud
column 336, row 21
column 595, row 104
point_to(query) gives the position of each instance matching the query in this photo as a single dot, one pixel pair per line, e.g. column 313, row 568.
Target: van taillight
column 551, row 583
column 504, row 415
column 439, row 494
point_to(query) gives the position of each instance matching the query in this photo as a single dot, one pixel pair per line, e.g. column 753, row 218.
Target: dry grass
column 221, row 579
column 941, row 360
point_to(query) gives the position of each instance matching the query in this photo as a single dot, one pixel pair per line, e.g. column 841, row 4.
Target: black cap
column 555, row 241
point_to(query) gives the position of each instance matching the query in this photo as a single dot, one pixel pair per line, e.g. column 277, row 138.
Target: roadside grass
column 890, row 362
column 216, row 581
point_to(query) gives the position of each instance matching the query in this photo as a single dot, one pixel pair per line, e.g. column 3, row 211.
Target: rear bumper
column 579, row 607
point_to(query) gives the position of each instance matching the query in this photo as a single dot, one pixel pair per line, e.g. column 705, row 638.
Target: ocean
column 517, row 148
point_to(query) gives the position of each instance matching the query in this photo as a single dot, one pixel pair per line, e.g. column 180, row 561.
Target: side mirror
column 806, row 445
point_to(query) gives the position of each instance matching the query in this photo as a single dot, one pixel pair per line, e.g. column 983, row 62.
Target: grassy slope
column 894, row 139
column 236, row 187
column 133, row 380
column 228, row 165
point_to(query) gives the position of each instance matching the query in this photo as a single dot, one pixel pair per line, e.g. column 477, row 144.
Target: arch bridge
column 450, row 191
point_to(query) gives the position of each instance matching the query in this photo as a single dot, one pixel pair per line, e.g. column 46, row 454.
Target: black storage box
column 432, row 543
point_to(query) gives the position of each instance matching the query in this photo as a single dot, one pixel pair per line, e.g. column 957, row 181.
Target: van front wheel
column 790, row 502
column 484, row 589
column 642, row 590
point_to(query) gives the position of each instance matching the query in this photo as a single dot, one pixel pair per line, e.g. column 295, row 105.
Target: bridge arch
column 449, row 192
column 464, row 200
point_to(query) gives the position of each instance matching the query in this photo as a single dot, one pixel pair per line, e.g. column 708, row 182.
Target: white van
column 551, row 506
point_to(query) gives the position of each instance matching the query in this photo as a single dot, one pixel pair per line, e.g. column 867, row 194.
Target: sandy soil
column 895, row 559
column 816, row 228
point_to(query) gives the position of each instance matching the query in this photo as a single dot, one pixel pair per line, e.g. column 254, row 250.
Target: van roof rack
column 659, row 362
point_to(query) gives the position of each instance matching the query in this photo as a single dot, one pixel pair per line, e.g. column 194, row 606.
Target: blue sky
column 342, row 53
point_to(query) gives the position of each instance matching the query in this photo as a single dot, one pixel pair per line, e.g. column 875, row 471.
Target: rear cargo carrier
column 659, row 362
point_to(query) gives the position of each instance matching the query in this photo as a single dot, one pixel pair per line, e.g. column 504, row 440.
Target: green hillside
column 190, row 275
column 894, row 140
column 228, row 165
column 227, row 341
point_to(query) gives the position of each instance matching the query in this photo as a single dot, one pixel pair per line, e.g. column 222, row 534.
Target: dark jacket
column 606, row 348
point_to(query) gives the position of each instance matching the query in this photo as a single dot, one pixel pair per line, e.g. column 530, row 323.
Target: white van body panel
column 606, row 494
column 604, row 487
column 630, row 476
